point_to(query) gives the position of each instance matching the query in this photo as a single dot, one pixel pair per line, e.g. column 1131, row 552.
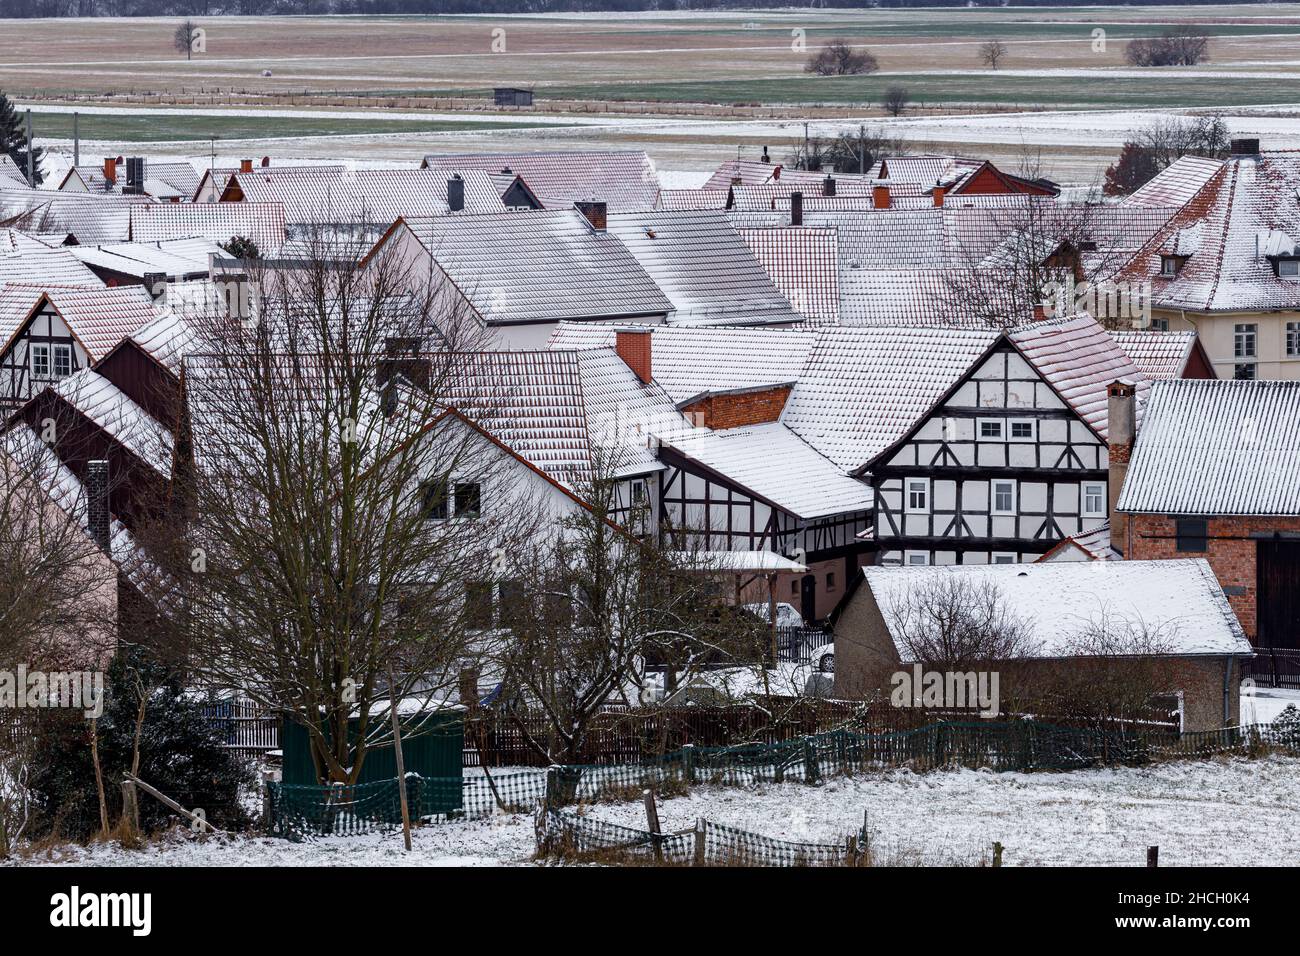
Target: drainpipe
column 1227, row 692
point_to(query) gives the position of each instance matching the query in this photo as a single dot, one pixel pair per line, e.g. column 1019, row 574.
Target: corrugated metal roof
column 1209, row 447
column 625, row 180
column 539, row 267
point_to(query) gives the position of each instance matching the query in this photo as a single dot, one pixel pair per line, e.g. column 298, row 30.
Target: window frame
column 1245, row 371
column 60, row 351
column 1245, row 340
column 432, row 484
column 1012, row 510
column 923, row 555
column 1291, row 336
column 1084, row 511
column 999, row 422
column 457, row 510
column 45, row 349
column 1011, row 429
column 1194, row 539
column 908, row 508
column 995, row 555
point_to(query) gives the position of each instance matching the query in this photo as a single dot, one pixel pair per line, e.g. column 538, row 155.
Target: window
column 917, row 558
column 918, row 495
column 1243, row 340
column 1022, row 431
column 990, row 430
column 1004, row 497
column 1244, row 371
column 40, row 361
column 1288, row 268
column 830, row 581
column 62, row 361
column 794, row 587
column 513, row 604
column 1293, row 339
column 1169, row 266
column 1160, row 325
column 1094, row 500
column 1192, row 534
column 1004, row 557
column 468, row 499
column 433, row 495
column 478, row 604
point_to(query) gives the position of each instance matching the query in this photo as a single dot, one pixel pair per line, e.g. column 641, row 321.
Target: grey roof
column 703, row 266
column 539, row 267
column 1209, row 447
column 623, row 179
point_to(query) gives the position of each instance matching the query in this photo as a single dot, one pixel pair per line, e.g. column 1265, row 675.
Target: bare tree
column 838, row 58
column 850, row 152
column 183, row 38
column 951, row 621
column 896, row 100
column 1154, row 147
column 597, row 607
column 1178, row 46
column 992, row 53
column 335, row 500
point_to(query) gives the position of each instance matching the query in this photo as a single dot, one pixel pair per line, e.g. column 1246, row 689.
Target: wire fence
column 296, row 811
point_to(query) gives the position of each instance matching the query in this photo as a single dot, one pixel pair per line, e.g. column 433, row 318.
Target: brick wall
column 1230, row 549
column 734, row 411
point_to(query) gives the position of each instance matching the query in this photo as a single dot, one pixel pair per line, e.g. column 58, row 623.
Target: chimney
column 796, row 209
column 110, row 170
column 633, row 347
column 1040, row 311
column 469, row 687
column 134, row 176
column 593, row 212
column 939, row 192
column 880, row 197
column 828, row 186
column 766, row 158
column 455, row 194
column 1121, row 429
column 97, row 501
column 776, row 172
column 155, row 283
column 266, row 161
column 1243, row 147
column 245, row 165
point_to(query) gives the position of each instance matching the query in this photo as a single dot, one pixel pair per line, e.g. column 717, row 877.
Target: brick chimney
column 1121, row 430
column 776, row 172
column 1243, row 147
column 1040, row 311
column 633, row 347
column 594, row 212
column 245, row 165
column 939, row 192
column 796, row 209
column 97, row 502
column 880, row 197
column 455, row 194
column 110, row 169
column 828, row 186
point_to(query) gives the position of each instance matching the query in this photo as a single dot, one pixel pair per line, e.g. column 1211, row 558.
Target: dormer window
column 1170, row 266
column 1288, row 268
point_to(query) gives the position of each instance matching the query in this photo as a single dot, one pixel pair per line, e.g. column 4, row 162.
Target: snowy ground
column 1265, row 703
column 1207, row 813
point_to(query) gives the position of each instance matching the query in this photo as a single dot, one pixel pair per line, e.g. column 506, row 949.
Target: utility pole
column 76, row 141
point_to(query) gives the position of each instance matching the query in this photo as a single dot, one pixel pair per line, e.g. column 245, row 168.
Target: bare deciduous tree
column 992, row 53
column 954, row 622
column 1178, row 46
column 839, row 58
column 896, row 100
column 849, row 152
column 183, row 38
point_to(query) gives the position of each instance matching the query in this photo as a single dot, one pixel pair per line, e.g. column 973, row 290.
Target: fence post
column 130, row 811
column 997, row 854
column 811, row 772
column 1153, row 856
column 851, row 851
column 552, row 787
column 268, row 811
column 701, row 837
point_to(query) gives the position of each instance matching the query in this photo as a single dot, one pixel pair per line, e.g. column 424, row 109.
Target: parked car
column 786, row 614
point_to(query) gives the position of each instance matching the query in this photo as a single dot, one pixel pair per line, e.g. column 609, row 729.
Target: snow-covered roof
column 111, row 409
column 177, row 178
column 1091, row 545
column 1179, row 605
column 804, row 264
column 1177, row 183
column 539, row 267
column 703, row 266
column 1157, row 354
column 1210, row 447
column 736, row 561
column 693, row 198
column 99, row 318
column 1079, row 358
column 625, row 180
column 174, row 258
column 778, row 467
column 217, row 222
column 687, row 362
column 1235, row 224
column 327, row 195
column 25, row 258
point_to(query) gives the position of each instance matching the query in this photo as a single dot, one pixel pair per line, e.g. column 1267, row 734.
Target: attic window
column 1170, row 266
column 1288, row 268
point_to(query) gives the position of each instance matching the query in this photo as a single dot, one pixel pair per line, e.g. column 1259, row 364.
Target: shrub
column 837, row 58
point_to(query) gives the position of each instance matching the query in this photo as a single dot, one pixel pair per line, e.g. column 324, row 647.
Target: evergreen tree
column 13, row 139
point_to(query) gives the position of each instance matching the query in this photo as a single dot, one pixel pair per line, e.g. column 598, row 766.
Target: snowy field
column 1208, row 813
